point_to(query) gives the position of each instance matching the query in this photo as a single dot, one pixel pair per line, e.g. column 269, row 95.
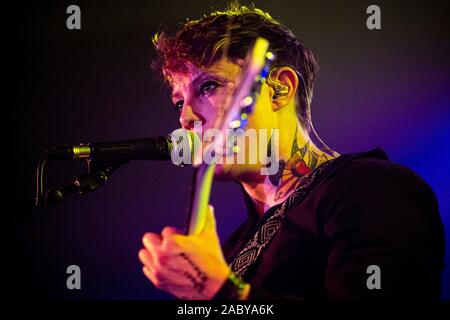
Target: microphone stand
column 97, row 174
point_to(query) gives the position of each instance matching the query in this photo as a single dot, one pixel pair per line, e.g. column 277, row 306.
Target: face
column 202, row 95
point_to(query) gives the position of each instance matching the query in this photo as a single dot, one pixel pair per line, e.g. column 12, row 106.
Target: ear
column 283, row 83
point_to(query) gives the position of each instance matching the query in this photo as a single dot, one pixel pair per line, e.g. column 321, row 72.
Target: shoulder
column 368, row 189
column 373, row 171
column 372, row 193
column 363, row 187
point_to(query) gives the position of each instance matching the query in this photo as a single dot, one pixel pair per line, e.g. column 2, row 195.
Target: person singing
column 325, row 225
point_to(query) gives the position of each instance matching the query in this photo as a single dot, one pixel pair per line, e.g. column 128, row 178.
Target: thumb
column 210, row 221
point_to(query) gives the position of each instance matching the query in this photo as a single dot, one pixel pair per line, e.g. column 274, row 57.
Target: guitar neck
column 247, row 86
column 200, row 194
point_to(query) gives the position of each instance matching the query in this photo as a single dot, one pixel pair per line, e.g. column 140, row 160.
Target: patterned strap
column 261, row 239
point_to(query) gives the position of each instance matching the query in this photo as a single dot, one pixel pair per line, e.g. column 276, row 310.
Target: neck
column 298, row 157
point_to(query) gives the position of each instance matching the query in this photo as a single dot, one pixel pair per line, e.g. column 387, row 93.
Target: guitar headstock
column 240, row 105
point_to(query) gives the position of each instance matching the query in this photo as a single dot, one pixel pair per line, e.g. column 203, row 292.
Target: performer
column 325, row 226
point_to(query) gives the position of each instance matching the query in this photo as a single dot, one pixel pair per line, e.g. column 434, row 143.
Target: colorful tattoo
column 302, row 162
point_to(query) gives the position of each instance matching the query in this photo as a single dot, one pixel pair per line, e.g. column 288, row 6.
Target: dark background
column 385, row 88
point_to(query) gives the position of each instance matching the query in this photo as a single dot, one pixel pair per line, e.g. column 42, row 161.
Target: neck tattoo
column 301, row 162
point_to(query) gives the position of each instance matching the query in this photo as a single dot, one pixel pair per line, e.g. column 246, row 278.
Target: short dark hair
column 202, row 42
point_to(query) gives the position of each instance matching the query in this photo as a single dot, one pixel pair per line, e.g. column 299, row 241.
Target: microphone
column 177, row 147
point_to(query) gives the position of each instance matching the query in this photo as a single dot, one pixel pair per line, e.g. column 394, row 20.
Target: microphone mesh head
column 184, row 145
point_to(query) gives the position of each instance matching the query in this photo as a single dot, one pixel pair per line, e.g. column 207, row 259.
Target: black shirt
column 362, row 210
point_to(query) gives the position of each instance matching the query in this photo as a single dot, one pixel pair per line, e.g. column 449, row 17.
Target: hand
column 188, row 267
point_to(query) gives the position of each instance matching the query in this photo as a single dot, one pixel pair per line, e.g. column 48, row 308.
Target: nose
column 188, row 117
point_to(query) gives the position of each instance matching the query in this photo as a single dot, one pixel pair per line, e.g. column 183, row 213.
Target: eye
column 208, row 87
column 179, row 105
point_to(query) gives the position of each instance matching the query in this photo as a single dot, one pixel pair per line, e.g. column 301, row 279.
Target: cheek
column 211, row 107
column 208, row 112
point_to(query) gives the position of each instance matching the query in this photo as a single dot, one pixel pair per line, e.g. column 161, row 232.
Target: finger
column 151, row 239
column 172, row 238
column 150, row 276
column 152, row 242
column 145, row 257
column 169, row 231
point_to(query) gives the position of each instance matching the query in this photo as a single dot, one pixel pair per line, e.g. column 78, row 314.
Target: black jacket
column 364, row 210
